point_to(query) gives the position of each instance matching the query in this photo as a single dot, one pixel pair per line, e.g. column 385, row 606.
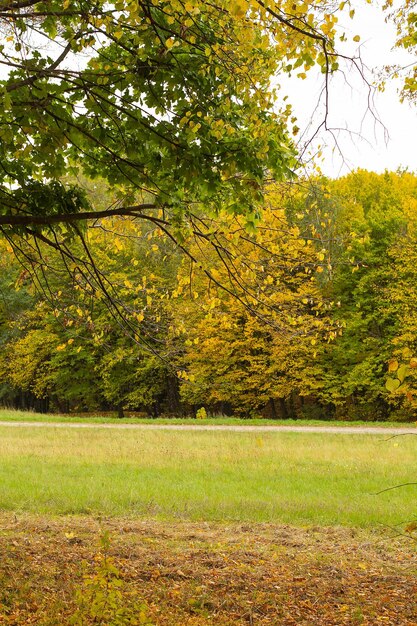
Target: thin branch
column 22, row 4
column 397, row 435
column 394, row 487
column 69, row 218
column 41, row 73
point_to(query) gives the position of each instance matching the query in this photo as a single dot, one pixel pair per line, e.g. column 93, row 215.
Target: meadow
column 295, row 478
column 207, row 527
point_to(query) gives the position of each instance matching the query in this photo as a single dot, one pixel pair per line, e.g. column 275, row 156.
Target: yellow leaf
column 392, row 365
column 392, row 384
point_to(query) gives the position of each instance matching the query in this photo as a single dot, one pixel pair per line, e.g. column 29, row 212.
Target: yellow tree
column 247, row 343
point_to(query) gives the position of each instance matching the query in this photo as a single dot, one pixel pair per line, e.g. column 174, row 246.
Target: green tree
column 353, row 369
column 170, row 103
column 69, row 347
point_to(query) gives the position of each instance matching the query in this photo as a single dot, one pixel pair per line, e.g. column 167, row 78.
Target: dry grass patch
column 206, row 573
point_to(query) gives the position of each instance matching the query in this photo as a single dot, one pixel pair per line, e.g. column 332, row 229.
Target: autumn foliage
column 307, row 314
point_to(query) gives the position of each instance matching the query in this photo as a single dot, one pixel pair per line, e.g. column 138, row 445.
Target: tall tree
column 248, row 346
column 169, row 102
column 371, row 285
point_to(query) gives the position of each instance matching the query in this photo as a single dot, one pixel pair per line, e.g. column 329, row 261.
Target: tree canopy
column 168, row 105
column 170, row 102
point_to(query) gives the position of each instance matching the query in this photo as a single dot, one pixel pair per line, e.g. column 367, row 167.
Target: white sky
column 369, row 144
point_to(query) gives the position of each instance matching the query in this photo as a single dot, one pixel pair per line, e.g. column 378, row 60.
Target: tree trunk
column 283, row 408
column 273, row 409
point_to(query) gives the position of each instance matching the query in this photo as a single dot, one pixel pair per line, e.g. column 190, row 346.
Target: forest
column 163, row 251
column 311, row 314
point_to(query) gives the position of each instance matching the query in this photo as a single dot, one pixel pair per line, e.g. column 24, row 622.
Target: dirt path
column 341, row 430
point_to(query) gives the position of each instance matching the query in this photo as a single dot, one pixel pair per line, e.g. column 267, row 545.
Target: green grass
column 9, row 415
column 295, row 478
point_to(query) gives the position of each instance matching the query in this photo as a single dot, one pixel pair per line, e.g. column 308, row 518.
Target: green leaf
column 392, row 384
column 402, row 372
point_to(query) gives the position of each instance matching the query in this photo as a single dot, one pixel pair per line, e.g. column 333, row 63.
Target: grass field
column 200, row 526
column 296, row 478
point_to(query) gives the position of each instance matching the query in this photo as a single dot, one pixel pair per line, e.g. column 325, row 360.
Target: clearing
column 293, row 478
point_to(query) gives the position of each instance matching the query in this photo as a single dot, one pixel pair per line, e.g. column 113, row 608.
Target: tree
column 68, row 347
column 169, row 102
column 404, row 17
column 248, row 343
column 372, row 281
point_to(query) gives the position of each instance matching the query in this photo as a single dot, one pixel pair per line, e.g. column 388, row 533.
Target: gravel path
column 341, row 430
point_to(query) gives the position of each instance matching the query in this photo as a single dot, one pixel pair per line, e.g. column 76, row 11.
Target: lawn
column 296, row 478
column 200, row 526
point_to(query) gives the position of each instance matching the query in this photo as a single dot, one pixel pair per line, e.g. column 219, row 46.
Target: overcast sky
column 371, row 144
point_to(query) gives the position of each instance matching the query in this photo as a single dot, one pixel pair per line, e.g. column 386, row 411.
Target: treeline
column 301, row 315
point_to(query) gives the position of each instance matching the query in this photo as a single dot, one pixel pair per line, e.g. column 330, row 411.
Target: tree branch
column 10, row 6
column 68, row 218
column 41, row 73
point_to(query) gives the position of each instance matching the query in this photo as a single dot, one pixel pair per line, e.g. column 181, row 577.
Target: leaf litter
column 193, row 574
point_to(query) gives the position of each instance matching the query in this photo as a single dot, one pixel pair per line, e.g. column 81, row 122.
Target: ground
column 195, row 574
column 207, row 527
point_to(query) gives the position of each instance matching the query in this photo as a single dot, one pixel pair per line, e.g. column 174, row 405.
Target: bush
column 101, row 599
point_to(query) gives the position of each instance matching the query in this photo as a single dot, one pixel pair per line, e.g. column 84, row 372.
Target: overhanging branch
column 68, row 218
